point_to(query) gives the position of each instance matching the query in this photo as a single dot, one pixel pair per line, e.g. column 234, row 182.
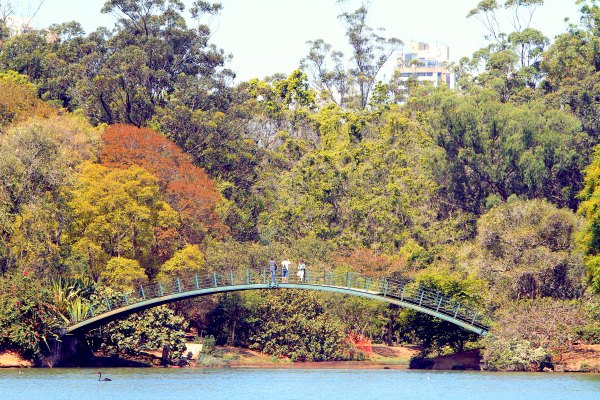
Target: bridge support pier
column 68, row 351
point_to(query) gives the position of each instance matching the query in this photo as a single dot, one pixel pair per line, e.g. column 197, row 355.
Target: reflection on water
column 249, row 384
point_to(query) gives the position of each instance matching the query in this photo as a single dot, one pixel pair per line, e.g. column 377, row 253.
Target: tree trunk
column 165, row 356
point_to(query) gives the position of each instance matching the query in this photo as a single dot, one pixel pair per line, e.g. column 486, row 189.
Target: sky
column 269, row 36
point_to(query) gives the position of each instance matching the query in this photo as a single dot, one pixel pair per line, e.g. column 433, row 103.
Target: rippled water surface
column 249, row 384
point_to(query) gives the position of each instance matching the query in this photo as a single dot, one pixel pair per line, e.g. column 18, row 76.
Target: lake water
column 264, row 384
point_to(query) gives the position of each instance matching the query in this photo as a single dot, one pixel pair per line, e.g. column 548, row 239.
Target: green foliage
column 18, row 99
column 571, row 65
column 231, row 255
column 526, row 249
column 513, row 355
column 28, row 317
column 489, row 148
column 123, row 75
column 294, row 90
column 435, row 335
column 295, row 325
column 359, row 188
column 366, row 318
column 529, row 332
column 590, row 333
column 231, row 320
column 68, row 297
column 87, row 259
column 465, row 288
column 412, row 255
column 592, row 264
column 37, row 158
column 78, row 309
column 432, row 335
column 146, row 331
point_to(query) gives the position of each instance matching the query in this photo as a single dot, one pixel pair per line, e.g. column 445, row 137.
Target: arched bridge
column 382, row 289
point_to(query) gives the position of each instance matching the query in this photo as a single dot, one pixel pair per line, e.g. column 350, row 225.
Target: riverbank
column 387, row 357
column 582, row 358
column 10, row 359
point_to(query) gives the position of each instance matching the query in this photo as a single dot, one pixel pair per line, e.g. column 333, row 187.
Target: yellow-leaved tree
column 185, row 262
column 589, row 238
column 122, row 213
column 123, row 273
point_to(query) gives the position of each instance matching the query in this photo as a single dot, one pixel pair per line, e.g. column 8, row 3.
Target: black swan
column 102, row 379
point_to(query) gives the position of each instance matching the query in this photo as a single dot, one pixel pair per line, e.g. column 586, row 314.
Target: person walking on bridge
column 273, row 271
column 301, row 270
column 285, row 269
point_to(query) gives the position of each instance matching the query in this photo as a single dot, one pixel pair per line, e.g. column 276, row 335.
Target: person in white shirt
column 301, row 270
column 285, row 269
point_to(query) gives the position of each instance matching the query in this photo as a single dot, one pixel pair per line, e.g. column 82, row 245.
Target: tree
column 216, row 143
column 511, row 62
column 25, row 55
column 230, row 321
column 370, row 52
column 278, row 107
column 363, row 318
column 122, row 212
column 18, row 100
column 520, row 15
column 489, row 148
column 590, row 234
column 33, row 171
column 123, row 273
column 526, row 250
column 185, row 262
column 28, row 317
column 530, row 334
column 6, row 10
column 571, row 65
column 186, row 187
column 433, row 334
column 48, row 58
column 152, row 53
column 332, row 82
column 295, row 325
column 362, row 187
column 150, row 330
column 37, row 161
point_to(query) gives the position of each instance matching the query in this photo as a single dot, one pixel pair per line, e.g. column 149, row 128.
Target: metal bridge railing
column 386, row 287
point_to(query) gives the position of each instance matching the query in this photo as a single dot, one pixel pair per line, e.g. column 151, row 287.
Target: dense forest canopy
column 128, row 155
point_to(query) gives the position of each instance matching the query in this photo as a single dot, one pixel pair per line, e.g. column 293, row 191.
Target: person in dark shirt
column 273, row 271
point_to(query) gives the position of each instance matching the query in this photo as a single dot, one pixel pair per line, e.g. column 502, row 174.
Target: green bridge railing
column 345, row 282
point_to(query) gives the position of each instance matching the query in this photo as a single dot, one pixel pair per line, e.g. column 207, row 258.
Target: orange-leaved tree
column 187, row 188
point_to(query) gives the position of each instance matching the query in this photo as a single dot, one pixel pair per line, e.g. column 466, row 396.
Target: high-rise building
column 427, row 62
